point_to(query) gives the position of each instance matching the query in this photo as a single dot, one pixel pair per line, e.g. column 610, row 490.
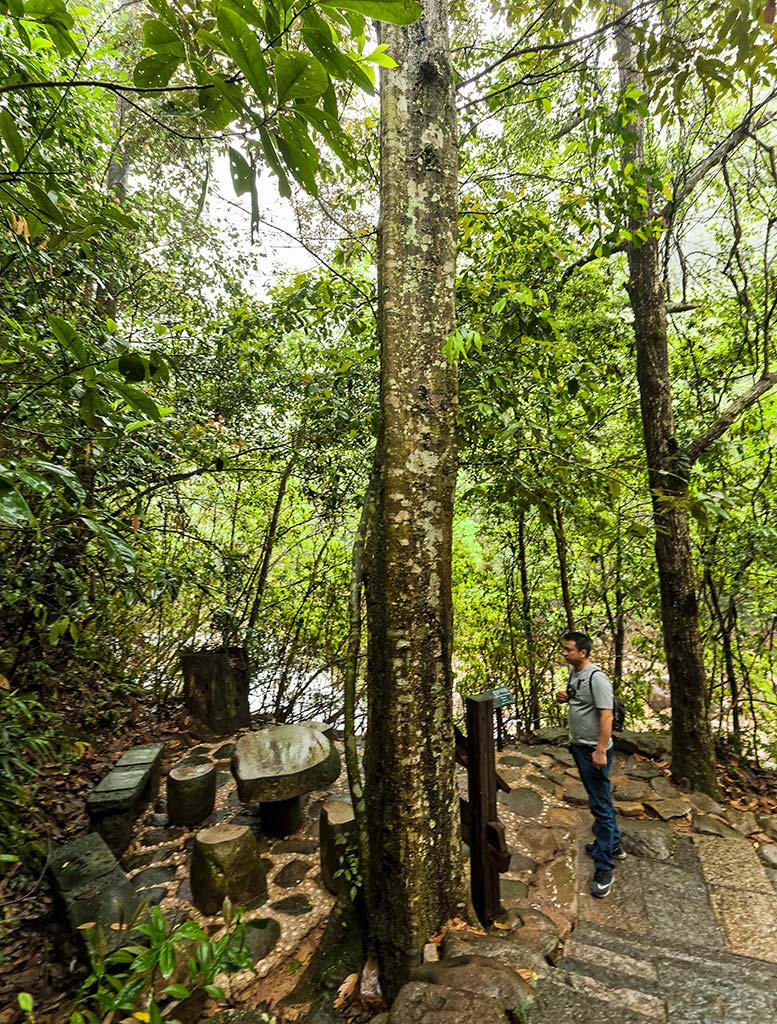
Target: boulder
column 480, row 976
column 261, row 936
column 421, row 1003
column 648, row 839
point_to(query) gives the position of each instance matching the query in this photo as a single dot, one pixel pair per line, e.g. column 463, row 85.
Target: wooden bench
column 130, row 784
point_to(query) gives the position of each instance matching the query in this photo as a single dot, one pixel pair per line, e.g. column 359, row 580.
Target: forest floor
column 39, row 955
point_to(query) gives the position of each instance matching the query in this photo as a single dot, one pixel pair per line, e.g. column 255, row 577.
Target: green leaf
column 163, row 39
column 298, row 152
column 395, row 12
column 274, row 162
column 44, row 205
column 215, row 992
column 177, row 991
column 14, row 510
column 11, row 135
column 166, row 958
column 246, row 10
column 137, row 399
column 122, row 556
column 25, row 1002
column 240, row 171
column 243, row 47
column 298, row 76
column 68, row 337
column 154, row 72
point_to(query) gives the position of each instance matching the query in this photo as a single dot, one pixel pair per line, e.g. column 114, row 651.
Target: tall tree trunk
column 557, row 525
column 527, row 621
column 693, row 754
column 416, row 877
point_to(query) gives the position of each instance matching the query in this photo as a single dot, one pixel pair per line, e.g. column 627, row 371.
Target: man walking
column 589, row 697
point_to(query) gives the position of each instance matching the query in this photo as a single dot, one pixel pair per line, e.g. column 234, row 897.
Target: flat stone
column 572, row 999
column 628, row 810
column 564, row 757
column 185, row 891
column 768, row 854
column 750, row 924
column 147, row 754
column 538, row 842
column 662, row 787
column 153, row 876
column 706, row 825
column 222, row 778
column 647, row 839
column 543, row 783
column 630, row 790
column 513, row 760
column 282, row 762
column 82, row 859
column 705, row 804
column 555, row 887
column 557, row 777
column 295, row 845
column 291, row 874
column 732, row 864
column 768, row 823
column 155, row 836
column 225, row 751
column 513, row 889
column 520, row 862
column 421, row 1003
column 526, row 947
column 194, row 761
column 294, row 906
column 743, row 821
column 625, row 906
column 669, row 809
column 657, row 745
column 576, row 795
column 640, row 769
column 524, row 802
column 480, row 976
column 150, row 857
column 261, row 936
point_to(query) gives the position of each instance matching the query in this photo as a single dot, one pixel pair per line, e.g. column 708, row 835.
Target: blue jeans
column 597, row 786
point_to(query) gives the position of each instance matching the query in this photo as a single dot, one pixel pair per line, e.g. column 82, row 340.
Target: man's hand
column 599, row 757
column 561, row 697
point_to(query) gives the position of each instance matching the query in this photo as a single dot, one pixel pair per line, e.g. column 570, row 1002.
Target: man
column 590, row 702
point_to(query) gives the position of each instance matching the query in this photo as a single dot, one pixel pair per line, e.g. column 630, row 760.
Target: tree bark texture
column 416, row 877
column 693, row 754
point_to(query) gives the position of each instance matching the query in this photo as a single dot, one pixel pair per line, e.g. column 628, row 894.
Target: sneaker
column 617, row 854
column 601, row 884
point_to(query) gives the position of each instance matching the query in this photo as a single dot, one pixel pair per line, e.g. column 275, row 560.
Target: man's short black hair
column 581, row 641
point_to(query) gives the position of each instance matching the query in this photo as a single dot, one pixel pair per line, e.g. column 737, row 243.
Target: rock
column 629, row 810
column 261, row 936
column 541, row 842
column 647, row 839
column 534, row 938
column 431, row 953
column 768, row 823
column 297, row 844
column 294, row 906
column 421, row 1003
column 743, row 821
column 323, row 727
column 337, row 829
column 563, row 756
column 640, row 769
column 513, row 889
column 556, row 777
column 768, row 854
column 191, row 793
column 630, row 790
column 153, row 876
column 652, row 744
column 524, row 802
column 553, row 735
column 149, row 858
column 668, row 809
column 577, row 796
column 195, row 759
column 513, row 760
column 520, row 862
column 225, row 752
column 225, row 862
column 480, row 976
column 705, row 804
column 662, row 787
column 706, row 825
column 291, row 874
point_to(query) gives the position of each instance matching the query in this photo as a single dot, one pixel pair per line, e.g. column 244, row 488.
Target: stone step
column 695, row 986
column 569, row 998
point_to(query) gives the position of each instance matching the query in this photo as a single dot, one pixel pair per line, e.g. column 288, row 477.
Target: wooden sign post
column 481, row 828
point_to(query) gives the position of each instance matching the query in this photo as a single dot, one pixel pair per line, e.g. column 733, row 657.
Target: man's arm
column 599, row 756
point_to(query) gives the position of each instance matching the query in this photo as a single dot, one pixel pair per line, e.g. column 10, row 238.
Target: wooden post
column 500, row 729
column 481, row 775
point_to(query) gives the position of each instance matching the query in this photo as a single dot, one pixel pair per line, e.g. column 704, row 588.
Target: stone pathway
column 688, row 934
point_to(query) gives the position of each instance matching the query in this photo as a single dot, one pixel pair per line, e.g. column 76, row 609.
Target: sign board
column 502, row 696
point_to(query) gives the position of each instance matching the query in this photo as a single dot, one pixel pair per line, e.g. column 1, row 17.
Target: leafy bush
column 25, row 736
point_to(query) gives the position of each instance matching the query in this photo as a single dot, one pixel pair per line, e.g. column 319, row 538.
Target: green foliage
column 25, row 739
column 173, row 963
column 350, row 867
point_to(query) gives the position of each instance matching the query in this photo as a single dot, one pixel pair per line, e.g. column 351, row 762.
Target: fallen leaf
column 527, row 974
column 87, row 924
column 502, row 926
column 346, row 989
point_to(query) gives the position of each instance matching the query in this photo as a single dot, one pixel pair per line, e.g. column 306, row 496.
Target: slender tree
column 415, row 853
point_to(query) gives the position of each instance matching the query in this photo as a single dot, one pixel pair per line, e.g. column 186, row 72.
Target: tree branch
column 696, row 448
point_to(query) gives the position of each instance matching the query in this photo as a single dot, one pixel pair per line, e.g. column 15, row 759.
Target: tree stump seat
column 336, row 819
column 225, row 863
column 276, row 766
column 114, row 803
column 191, row 792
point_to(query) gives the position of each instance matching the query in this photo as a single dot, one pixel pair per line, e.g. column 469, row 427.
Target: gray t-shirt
column 587, row 697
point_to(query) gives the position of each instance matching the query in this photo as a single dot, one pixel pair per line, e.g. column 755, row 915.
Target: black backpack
column 618, row 707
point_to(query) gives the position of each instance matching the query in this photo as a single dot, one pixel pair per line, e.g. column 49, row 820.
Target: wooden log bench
column 89, row 885
column 131, row 783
